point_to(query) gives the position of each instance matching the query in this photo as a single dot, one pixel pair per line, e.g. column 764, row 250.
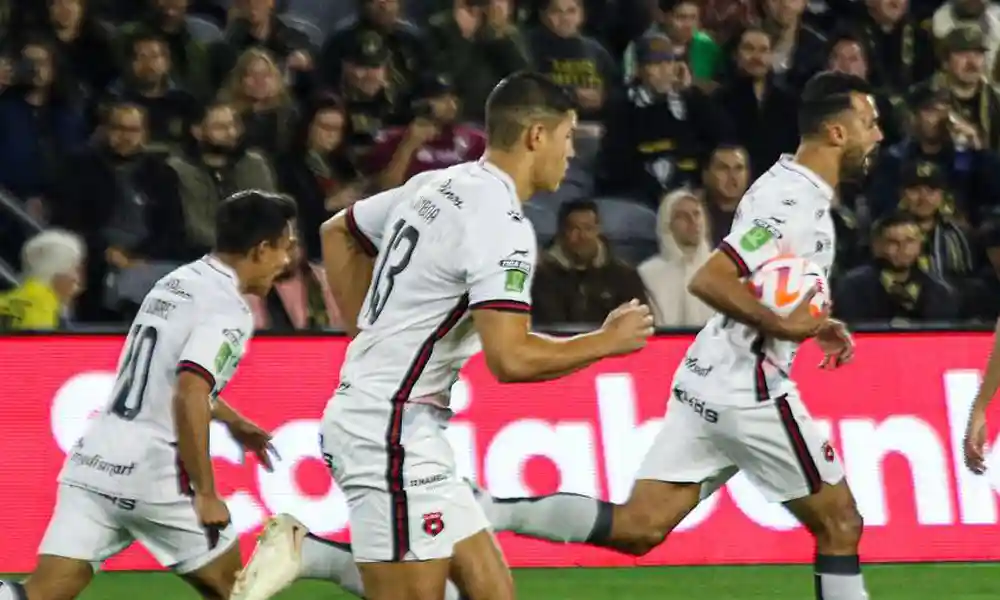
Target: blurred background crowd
column 123, row 123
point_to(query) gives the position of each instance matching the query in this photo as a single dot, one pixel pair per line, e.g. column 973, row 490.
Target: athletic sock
column 557, row 518
column 332, row 561
column 839, row 578
column 12, row 590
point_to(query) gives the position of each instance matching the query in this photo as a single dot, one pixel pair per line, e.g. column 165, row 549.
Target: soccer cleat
column 276, row 561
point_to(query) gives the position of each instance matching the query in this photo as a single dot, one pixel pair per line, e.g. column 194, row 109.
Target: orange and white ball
column 781, row 283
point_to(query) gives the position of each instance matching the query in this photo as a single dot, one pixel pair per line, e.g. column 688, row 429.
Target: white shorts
column 775, row 443
column 397, row 471
column 91, row 526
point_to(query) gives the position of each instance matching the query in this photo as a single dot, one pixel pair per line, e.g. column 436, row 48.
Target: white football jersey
column 785, row 212
column 448, row 241
column 195, row 320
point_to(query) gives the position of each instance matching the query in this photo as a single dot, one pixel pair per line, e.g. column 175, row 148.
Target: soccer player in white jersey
column 733, row 406
column 455, row 259
column 142, row 470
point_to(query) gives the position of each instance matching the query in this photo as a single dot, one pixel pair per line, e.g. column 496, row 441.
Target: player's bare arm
column 516, row 354
column 975, row 433
column 349, row 265
column 193, row 414
column 247, row 434
column 718, row 284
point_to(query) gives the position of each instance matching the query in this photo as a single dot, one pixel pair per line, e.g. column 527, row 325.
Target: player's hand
column 975, row 443
column 801, row 324
column 837, row 345
column 629, row 327
column 213, row 514
column 254, row 439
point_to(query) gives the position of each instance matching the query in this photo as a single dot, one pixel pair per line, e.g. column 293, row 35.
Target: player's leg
column 787, row 457
column 83, row 532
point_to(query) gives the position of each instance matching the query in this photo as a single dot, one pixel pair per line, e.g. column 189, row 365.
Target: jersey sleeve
column 501, row 265
column 214, row 347
column 764, row 230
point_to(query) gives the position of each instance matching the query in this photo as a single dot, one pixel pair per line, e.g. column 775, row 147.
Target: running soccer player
column 455, row 258
column 733, row 404
column 142, row 471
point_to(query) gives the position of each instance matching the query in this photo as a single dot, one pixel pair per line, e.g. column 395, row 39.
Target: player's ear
column 837, row 132
column 535, row 133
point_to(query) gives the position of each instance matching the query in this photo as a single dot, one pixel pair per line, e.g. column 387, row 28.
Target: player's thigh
column 171, row 532
column 479, row 569
column 58, row 578
column 780, row 448
column 422, row 580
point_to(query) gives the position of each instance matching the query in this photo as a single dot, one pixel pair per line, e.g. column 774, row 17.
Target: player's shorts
column 397, row 471
column 91, row 526
column 775, row 443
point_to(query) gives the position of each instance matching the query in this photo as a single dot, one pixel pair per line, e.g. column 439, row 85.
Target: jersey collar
column 788, row 162
column 502, row 175
column 221, row 268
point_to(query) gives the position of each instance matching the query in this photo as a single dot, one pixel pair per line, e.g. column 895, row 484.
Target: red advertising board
column 896, row 416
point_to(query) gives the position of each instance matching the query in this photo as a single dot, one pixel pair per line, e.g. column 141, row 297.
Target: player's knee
column 638, row 532
column 840, row 529
column 36, row 588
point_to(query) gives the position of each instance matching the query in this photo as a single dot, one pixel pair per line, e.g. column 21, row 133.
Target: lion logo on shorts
column 828, row 452
column 433, row 524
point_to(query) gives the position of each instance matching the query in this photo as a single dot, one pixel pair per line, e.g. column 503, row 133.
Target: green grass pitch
column 885, row 582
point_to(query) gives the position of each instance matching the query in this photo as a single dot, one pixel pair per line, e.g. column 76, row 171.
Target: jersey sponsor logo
column 433, row 524
column 789, row 202
column 235, row 336
column 174, row 287
column 419, row 481
column 514, row 280
column 515, row 216
column 692, row 364
column 710, row 415
column 516, row 271
column 445, row 190
column 97, row 463
column 126, row 504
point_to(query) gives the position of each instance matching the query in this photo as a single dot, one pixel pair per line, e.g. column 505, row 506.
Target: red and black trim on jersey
column 759, row 377
column 394, row 433
column 359, row 236
column 502, row 305
column 799, row 446
column 190, row 366
column 734, row 256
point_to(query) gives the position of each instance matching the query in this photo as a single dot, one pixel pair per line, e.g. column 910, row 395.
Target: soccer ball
column 781, row 283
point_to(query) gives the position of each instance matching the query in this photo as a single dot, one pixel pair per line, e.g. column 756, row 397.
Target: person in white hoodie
column 683, row 248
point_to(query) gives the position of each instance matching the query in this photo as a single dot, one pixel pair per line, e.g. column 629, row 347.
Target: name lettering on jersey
column 158, row 308
column 174, row 287
column 692, row 364
column 97, row 462
column 445, row 190
column 761, row 233
column 425, row 209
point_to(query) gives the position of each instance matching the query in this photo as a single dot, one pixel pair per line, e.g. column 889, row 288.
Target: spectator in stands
column 659, row 133
column 191, row 187
column 758, row 106
column 981, row 298
column 253, row 23
column 900, row 51
column 572, row 59
column 52, row 262
column 406, row 46
column 680, row 21
column 317, row 171
column 433, row 140
column 893, row 287
column 256, row 89
column 147, row 82
column 683, row 249
column 40, row 122
column 947, row 252
column 478, row 44
column 848, row 54
column 82, row 43
column 299, row 300
column 100, row 192
column 578, row 279
column 982, row 15
column 799, row 50
column 372, row 104
column 189, row 58
column 724, row 19
column 726, row 177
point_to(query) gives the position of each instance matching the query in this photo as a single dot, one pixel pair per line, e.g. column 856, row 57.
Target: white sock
column 839, row 578
column 333, row 561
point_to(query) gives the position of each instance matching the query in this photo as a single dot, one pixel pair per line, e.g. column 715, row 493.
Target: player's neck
column 518, row 169
column 234, row 262
column 821, row 161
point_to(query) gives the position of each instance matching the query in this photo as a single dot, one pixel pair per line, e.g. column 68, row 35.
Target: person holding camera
column 432, row 140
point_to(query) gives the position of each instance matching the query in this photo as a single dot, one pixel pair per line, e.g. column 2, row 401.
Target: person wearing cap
column 981, row 14
column 659, row 133
column 52, row 262
column 432, row 140
column 372, row 102
column 947, row 252
column 680, row 20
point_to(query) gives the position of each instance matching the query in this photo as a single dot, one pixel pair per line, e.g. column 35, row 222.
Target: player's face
column 554, row 148
column 862, row 138
column 271, row 259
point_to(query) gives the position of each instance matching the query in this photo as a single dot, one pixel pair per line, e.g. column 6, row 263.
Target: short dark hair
column 201, row 111
column 143, row 34
column 248, row 218
column 575, row 206
column 894, row 219
column 519, row 99
column 826, row 95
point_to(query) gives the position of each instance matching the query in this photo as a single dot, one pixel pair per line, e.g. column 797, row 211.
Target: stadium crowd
column 123, row 123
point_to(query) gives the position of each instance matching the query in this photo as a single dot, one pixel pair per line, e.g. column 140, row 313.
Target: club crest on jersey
column 433, row 524
column 828, row 453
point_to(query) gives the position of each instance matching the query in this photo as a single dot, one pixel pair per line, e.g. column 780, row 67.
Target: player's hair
column 575, row 206
column 251, row 217
column 894, row 219
column 52, row 252
column 518, row 101
column 827, row 95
